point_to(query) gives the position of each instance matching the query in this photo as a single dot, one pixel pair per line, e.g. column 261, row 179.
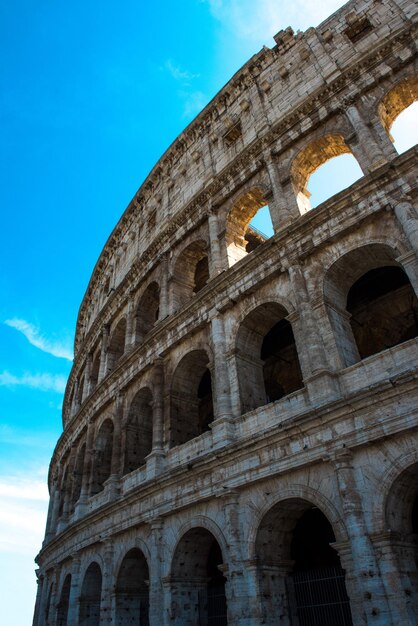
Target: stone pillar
column 74, row 599
column 112, row 483
column 402, row 598
column 365, row 568
column 283, row 208
column 51, row 522
column 216, row 266
column 155, row 460
column 87, row 377
column 164, row 297
column 106, row 603
column 156, row 591
column 130, row 325
column 223, row 428
column 366, row 150
column 321, row 382
column 75, row 404
column 236, row 588
column 409, row 263
column 87, row 469
column 103, row 353
column 39, row 590
column 408, row 220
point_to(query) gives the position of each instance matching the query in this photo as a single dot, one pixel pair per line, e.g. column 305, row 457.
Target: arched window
column 102, row 456
column 90, row 596
column 191, row 398
column 132, row 590
column 116, row 345
column 197, row 571
column 398, row 112
column 147, row 311
column 62, row 608
column 248, row 225
column 267, row 359
column 191, row 273
column 340, row 173
column 370, row 303
column 297, row 535
column 138, row 442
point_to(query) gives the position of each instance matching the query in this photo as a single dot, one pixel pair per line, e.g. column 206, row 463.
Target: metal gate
column 212, row 607
column 320, row 597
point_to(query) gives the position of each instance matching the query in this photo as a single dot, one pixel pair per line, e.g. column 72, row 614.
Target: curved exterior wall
column 143, row 461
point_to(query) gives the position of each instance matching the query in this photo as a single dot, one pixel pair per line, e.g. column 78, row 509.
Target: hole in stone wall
column 138, row 443
column 398, row 112
column 102, row 456
column 335, row 175
column 147, row 311
column 404, row 132
column 116, row 345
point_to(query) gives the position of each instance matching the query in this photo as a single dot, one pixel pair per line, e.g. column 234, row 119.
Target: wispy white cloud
column 59, row 349
column 193, row 103
column 42, row 382
column 178, row 73
column 257, row 21
column 23, row 506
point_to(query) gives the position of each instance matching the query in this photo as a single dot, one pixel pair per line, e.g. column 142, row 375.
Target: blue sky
column 92, row 94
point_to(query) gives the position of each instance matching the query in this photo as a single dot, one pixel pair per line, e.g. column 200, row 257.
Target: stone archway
column 90, row 596
column 299, row 572
column 132, row 590
column 64, row 601
column 197, row 581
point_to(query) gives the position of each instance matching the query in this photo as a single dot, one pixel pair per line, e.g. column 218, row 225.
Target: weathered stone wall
column 219, row 398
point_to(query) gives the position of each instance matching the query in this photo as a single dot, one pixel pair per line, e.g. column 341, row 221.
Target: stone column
column 75, row 404
column 223, row 428
column 87, row 469
column 156, row 591
column 367, row 150
column 215, row 249
column 87, row 376
column 402, row 599
column 408, row 220
column 130, row 325
column 39, row 592
column 283, row 207
column 164, row 297
column 106, row 603
column 112, row 483
column 103, row 352
column 74, row 599
column 365, row 568
column 321, row 382
column 155, row 460
column 236, row 587
column 51, row 522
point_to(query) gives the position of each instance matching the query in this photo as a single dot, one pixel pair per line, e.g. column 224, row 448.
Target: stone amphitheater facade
column 240, row 423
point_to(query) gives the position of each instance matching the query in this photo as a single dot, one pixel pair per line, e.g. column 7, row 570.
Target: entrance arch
column 197, row 580
column 62, row 609
column 299, row 572
column 90, row 596
column 132, row 590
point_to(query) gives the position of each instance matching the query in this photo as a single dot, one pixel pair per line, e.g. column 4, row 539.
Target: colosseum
column 240, row 439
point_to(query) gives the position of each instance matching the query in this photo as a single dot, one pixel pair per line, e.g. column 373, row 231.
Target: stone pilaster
column 366, row 149
column 103, row 352
column 164, row 296
column 87, row 377
column 107, row 606
column 222, row 426
column 365, row 571
column 215, row 249
column 74, row 599
column 156, row 589
column 283, row 208
column 130, row 325
column 155, row 460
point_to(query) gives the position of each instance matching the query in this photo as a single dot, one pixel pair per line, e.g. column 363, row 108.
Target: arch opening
column 90, row 596
column 191, row 398
column 147, row 312
column 95, row 367
column 191, row 273
column 370, row 302
column 102, row 464
column 138, row 442
column 198, row 581
column 398, row 112
column 116, row 345
column 248, row 225
column 64, row 602
column 314, row 157
column 132, row 590
column 299, row 571
column 267, row 359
